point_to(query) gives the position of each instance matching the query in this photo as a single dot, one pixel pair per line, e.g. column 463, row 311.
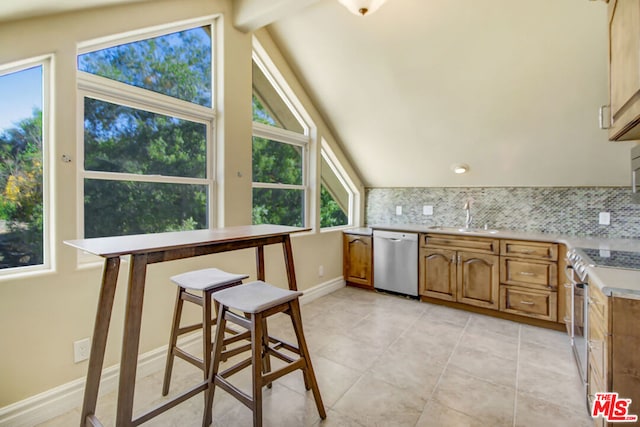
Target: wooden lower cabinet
column 613, row 349
column 529, row 302
column 438, row 276
column 357, row 260
column 462, row 276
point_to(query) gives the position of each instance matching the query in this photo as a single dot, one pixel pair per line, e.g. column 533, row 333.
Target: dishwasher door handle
column 391, row 239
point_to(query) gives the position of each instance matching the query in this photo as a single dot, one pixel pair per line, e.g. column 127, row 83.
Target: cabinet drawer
column 529, row 302
column 474, row 244
column 533, row 250
column 514, row 271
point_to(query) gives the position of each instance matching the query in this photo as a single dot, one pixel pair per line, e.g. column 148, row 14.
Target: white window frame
column 304, row 140
column 108, row 90
column 47, row 63
column 336, row 167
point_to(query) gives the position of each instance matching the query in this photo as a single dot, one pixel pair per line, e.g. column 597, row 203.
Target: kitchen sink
column 463, row 230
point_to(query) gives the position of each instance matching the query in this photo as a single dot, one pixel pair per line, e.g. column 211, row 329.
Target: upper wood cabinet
column 624, row 69
column 358, row 260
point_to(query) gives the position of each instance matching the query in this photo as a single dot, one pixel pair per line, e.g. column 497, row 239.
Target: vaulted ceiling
column 510, row 87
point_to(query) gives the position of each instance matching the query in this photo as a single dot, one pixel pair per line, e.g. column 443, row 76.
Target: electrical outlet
column 398, row 210
column 321, row 271
column 605, row 218
column 427, row 210
column 81, row 350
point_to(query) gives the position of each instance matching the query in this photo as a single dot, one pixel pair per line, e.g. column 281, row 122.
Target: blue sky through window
column 20, row 93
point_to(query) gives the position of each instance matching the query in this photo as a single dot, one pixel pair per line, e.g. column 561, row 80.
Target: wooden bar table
column 150, row 249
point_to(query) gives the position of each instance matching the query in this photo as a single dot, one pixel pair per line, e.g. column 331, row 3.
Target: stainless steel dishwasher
column 395, row 262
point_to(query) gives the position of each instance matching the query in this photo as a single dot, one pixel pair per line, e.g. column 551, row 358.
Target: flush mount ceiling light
column 460, row 168
column 362, row 7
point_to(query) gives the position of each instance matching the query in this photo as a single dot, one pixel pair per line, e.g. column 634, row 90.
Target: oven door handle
column 568, row 274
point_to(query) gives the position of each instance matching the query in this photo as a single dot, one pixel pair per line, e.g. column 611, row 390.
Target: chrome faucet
column 467, row 208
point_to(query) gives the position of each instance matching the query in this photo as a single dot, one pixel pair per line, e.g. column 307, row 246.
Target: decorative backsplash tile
column 565, row 210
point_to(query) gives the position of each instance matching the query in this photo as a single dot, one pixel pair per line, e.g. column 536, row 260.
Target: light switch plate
column 605, row 218
column 398, row 210
column 427, row 210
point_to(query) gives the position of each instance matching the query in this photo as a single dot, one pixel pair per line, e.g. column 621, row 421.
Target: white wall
column 41, row 315
column 511, row 87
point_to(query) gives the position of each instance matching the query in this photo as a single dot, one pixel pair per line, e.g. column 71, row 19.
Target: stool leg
column 256, row 367
column 296, row 318
column 173, row 339
column 207, row 346
column 266, row 360
column 221, row 324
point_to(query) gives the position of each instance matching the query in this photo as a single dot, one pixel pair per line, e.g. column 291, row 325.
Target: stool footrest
column 243, row 397
column 196, row 299
column 196, row 361
column 170, row 404
column 281, row 343
column 189, row 328
column 235, row 368
column 271, row 376
column 280, row 355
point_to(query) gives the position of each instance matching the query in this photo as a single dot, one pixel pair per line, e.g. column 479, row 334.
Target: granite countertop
column 612, row 281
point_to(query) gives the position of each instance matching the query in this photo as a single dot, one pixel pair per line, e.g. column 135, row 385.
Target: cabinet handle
column 566, row 319
column 601, row 117
column 459, row 259
column 568, row 285
column 453, row 259
column 526, row 273
column 526, row 251
column 526, row 302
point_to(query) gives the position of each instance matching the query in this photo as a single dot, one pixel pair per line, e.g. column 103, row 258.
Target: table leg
column 99, row 340
column 131, row 340
column 260, row 262
column 288, row 260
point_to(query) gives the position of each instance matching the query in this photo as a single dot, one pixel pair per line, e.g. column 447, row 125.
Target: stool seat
column 255, row 297
column 207, row 278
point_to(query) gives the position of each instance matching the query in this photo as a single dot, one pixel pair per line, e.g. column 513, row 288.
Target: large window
column 280, row 147
column 148, row 134
column 23, row 166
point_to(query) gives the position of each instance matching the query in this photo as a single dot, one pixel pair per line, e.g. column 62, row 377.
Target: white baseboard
column 321, row 290
column 58, row 400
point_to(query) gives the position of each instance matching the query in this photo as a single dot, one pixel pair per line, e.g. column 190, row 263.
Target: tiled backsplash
column 565, row 210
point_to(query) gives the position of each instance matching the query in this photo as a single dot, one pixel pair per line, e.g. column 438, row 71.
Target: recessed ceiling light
column 460, row 168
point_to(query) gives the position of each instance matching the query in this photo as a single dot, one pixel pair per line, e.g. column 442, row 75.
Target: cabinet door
column 357, row 254
column 478, row 280
column 438, row 273
column 624, row 69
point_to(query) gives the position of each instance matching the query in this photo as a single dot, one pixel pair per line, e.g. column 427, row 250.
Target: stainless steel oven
column 577, row 280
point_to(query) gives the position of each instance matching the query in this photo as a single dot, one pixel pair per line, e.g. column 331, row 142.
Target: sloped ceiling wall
column 510, row 87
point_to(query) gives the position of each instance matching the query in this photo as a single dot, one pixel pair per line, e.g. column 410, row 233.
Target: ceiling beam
column 250, row 15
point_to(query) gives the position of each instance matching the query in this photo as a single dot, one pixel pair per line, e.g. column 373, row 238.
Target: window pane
column 177, row 65
column 124, row 139
column 21, row 204
column 331, row 214
column 278, row 206
column 276, row 162
column 334, row 198
column 118, row 208
column 269, row 107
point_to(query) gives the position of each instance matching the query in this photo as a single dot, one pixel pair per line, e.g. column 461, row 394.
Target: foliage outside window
column 22, row 168
column 148, row 122
column 335, row 197
column 280, row 139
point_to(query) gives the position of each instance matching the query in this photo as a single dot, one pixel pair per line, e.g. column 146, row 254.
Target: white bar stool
column 207, row 281
column 258, row 300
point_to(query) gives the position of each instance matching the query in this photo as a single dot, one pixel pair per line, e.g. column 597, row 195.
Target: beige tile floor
column 383, row 360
